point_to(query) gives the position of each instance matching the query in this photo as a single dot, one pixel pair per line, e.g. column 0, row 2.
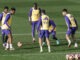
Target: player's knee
column 9, row 36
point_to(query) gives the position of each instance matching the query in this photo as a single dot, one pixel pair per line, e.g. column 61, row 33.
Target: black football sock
column 55, row 38
column 3, row 36
column 6, row 38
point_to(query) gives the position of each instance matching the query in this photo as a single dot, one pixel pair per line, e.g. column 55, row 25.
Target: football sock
column 41, row 48
column 69, row 41
column 55, row 37
column 3, row 38
column 33, row 38
column 6, row 38
column 49, row 48
column 11, row 46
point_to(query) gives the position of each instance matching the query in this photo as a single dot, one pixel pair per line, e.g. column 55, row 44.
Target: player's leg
column 74, row 39
column 40, row 44
column 54, row 37
column 44, row 39
column 40, row 40
column 57, row 41
column 47, row 40
column 68, row 38
column 33, row 31
column 6, row 38
column 3, row 38
column 9, row 41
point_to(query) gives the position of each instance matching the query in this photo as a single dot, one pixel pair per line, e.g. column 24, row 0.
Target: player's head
column 64, row 12
column 35, row 5
column 12, row 11
column 6, row 9
column 43, row 11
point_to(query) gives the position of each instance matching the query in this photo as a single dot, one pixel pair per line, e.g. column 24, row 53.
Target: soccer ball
column 70, row 57
column 77, row 56
column 19, row 44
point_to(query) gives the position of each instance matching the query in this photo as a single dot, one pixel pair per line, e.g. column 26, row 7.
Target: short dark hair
column 13, row 9
column 65, row 10
column 35, row 4
column 43, row 11
column 6, row 7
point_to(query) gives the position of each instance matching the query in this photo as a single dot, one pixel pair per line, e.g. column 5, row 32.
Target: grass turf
column 21, row 30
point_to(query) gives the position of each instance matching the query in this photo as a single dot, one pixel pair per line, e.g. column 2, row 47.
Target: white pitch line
column 38, row 54
column 36, row 33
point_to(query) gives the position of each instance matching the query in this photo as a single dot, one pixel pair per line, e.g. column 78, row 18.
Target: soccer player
column 6, row 28
column 43, row 23
column 34, row 15
column 52, row 30
column 72, row 27
column 3, row 14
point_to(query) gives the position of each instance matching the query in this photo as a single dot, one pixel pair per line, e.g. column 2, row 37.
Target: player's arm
column 76, row 22
column 68, row 22
column 1, row 15
column 53, row 24
column 40, row 11
column 30, row 13
column 6, row 19
column 39, row 23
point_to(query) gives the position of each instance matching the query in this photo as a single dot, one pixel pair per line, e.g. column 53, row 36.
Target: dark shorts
column 44, row 32
column 6, row 32
column 72, row 31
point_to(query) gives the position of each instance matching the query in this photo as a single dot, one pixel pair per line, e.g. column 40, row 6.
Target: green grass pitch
column 21, row 30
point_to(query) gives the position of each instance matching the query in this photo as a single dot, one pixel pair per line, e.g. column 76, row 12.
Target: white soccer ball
column 69, row 56
column 77, row 56
column 19, row 44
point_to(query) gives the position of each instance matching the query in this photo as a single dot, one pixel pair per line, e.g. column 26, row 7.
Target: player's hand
column 38, row 31
column 10, row 28
column 30, row 22
column 50, row 30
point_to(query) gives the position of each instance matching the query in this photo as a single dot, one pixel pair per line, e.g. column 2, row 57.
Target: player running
column 34, row 15
column 72, row 27
column 3, row 14
column 44, row 23
column 52, row 30
column 6, row 28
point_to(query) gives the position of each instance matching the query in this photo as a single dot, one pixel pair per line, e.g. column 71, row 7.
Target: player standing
column 34, row 15
column 3, row 14
column 72, row 27
column 52, row 31
column 44, row 23
column 6, row 28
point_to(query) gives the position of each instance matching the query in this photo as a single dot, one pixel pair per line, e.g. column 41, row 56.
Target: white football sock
column 41, row 48
column 10, row 45
column 33, row 38
column 7, row 45
column 69, row 41
column 76, row 45
column 49, row 48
